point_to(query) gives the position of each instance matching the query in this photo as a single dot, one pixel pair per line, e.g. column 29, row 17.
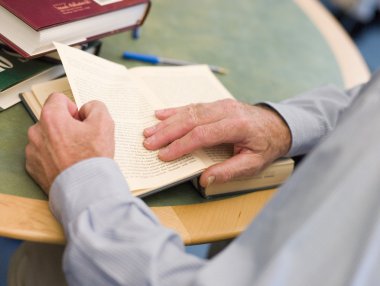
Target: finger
column 95, row 117
column 238, row 166
column 59, row 106
column 203, row 136
column 167, row 131
column 33, row 156
column 162, row 114
column 168, row 115
column 185, row 119
column 34, row 134
column 201, row 113
column 94, row 111
column 73, row 109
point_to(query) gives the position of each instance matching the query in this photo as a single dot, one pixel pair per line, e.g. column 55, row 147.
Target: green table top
column 271, row 49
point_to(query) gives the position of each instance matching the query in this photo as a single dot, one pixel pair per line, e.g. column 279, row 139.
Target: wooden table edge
column 31, row 219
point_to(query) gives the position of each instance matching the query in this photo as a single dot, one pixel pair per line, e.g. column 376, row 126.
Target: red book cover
column 41, row 14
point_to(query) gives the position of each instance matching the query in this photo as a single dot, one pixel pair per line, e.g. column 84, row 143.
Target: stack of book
column 29, row 28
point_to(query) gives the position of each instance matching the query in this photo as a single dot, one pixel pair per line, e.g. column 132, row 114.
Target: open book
column 131, row 96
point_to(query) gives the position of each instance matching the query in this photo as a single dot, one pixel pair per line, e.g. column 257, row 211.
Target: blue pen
column 166, row 61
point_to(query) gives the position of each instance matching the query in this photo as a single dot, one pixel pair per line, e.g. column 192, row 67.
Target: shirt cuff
column 83, row 184
column 304, row 128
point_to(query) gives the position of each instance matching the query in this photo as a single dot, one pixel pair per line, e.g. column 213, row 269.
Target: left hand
column 65, row 136
column 258, row 133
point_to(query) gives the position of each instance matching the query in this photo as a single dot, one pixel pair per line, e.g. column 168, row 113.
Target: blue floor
column 367, row 40
column 7, row 247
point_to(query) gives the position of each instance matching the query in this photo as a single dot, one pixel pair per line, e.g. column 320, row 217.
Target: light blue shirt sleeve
column 322, row 227
column 312, row 115
column 113, row 237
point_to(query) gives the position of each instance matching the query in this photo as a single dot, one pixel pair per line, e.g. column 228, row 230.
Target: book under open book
column 131, row 96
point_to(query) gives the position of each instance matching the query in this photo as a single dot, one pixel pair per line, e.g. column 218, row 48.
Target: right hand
column 65, row 136
column 258, row 133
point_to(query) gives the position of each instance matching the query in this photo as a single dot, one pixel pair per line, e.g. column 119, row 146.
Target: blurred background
column 361, row 19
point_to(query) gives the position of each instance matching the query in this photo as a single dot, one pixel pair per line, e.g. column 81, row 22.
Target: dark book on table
column 18, row 74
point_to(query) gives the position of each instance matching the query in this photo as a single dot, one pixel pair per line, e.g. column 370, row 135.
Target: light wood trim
column 352, row 65
column 30, row 219
column 219, row 220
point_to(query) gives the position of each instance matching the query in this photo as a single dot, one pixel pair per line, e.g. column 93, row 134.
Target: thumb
column 60, row 106
column 93, row 111
column 238, row 166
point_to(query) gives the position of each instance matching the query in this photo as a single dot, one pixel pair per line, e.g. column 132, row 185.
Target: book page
column 132, row 106
column 216, row 154
column 182, row 85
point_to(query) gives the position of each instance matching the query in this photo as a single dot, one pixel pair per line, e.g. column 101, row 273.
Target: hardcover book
column 18, row 74
column 131, row 97
column 30, row 27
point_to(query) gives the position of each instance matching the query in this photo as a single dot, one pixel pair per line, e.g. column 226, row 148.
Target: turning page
column 182, row 85
column 132, row 106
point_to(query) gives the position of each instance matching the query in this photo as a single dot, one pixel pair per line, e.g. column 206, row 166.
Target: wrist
column 277, row 130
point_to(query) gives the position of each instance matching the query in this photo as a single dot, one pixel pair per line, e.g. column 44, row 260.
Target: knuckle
column 234, row 107
column 243, row 122
column 229, row 102
column 55, row 95
column 98, row 104
column 28, row 152
column 47, row 115
column 226, row 176
column 28, row 168
column 193, row 114
column 32, row 134
column 31, row 131
column 199, row 134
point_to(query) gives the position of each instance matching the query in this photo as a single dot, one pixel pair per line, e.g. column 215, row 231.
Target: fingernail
column 160, row 111
column 149, row 130
column 148, row 142
column 210, row 180
column 163, row 151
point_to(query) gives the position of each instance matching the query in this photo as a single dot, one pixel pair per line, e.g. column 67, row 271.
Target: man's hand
column 65, row 136
column 258, row 133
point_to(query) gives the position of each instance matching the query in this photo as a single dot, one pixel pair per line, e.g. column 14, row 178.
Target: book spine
column 96, row 37
column 14, row 46
column 56, row 12
column 28, row 109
